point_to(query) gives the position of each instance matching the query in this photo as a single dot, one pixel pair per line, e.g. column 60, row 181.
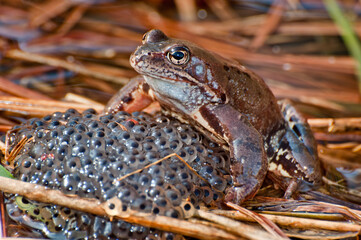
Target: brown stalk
column 161, row 160
column 107, row 28
column 33, row 107
column 295, row 222
column 187, row 10
column 75, row 15
column 263, row 221
column 34, row 57
column 41, row 13
column 42, row 194
column 354, row 136
column 221, row 9
column 271, row 23
column 9, row 157
column 19, row 91
column 241, row 229
column 335, row 124
column 339, row 157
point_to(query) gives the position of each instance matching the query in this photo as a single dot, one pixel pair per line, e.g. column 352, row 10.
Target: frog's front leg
column 134, row 96
column 248, row 158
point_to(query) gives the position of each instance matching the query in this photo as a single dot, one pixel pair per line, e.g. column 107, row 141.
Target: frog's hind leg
column 296, row 155
column 298, row 125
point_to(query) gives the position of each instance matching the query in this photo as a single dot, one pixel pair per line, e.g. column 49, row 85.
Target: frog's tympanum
column 230, row 104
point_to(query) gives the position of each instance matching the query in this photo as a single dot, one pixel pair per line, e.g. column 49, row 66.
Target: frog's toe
column 241, row 193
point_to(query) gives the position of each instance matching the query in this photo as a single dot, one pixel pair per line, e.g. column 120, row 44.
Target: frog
column 231, row 105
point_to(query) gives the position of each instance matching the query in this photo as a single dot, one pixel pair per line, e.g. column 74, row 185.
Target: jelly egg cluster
column 87, row 154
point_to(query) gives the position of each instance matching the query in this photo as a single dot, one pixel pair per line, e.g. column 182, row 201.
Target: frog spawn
column 85, row 154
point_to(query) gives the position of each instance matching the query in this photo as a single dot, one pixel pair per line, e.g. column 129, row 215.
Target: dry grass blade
column 53, row 8
column 264, row 222
column 19, row 91
column 186, row 10
column 221, row 9
column 241, row 229
column 335, row 124
column 295, row 222
column 33, row 57
column 10, row 157
column 270, row 24
column 73, row 18
column 42, row 194
column 161, row 160
column 33, row 107
column 71, row 97
column 5, row 128
column 339, row 158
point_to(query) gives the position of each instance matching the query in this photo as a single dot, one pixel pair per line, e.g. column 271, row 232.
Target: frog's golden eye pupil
column 178, row 55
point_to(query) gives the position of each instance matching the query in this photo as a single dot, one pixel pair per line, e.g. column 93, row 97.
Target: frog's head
column 179, row 69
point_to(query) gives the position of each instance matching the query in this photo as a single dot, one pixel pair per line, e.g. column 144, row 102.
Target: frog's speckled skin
column 224, row 98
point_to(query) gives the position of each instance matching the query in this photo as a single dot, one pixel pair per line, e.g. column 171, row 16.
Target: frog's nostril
column 154, row 36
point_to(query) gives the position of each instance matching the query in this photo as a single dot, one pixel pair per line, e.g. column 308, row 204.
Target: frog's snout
column 154, row 36
column 137, row 58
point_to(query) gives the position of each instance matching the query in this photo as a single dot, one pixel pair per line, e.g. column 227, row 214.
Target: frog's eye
column 178, row 55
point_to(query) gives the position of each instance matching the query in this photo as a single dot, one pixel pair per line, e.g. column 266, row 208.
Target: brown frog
column 230, row 104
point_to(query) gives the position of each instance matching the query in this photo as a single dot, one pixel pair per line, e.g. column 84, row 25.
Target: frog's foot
column 238, row 194
column 292, row 187
column 135, row 96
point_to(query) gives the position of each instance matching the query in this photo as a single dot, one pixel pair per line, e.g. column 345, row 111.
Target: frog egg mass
column 85, row 154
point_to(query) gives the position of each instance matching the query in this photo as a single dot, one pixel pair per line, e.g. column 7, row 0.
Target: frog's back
column 252, row 97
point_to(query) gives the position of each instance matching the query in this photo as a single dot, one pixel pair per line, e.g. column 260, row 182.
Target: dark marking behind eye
column 226, row 67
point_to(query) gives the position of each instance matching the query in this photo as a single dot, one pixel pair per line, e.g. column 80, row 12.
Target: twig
column 19, row 91
column 34, row 57
column 73, row 18
column 241, row 229
column 186, row 10
column 335, row 124
column 270, row 24
column 42, row 13
column 263, row 221
column 39, row 193
column 158, row 161
column 295, row 222
column 34, row 107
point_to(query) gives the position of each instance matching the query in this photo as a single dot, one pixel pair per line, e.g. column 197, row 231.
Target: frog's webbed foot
column 248, row 158
column 132, row 97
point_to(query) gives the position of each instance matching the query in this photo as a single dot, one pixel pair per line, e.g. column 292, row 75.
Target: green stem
column 347, row 33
